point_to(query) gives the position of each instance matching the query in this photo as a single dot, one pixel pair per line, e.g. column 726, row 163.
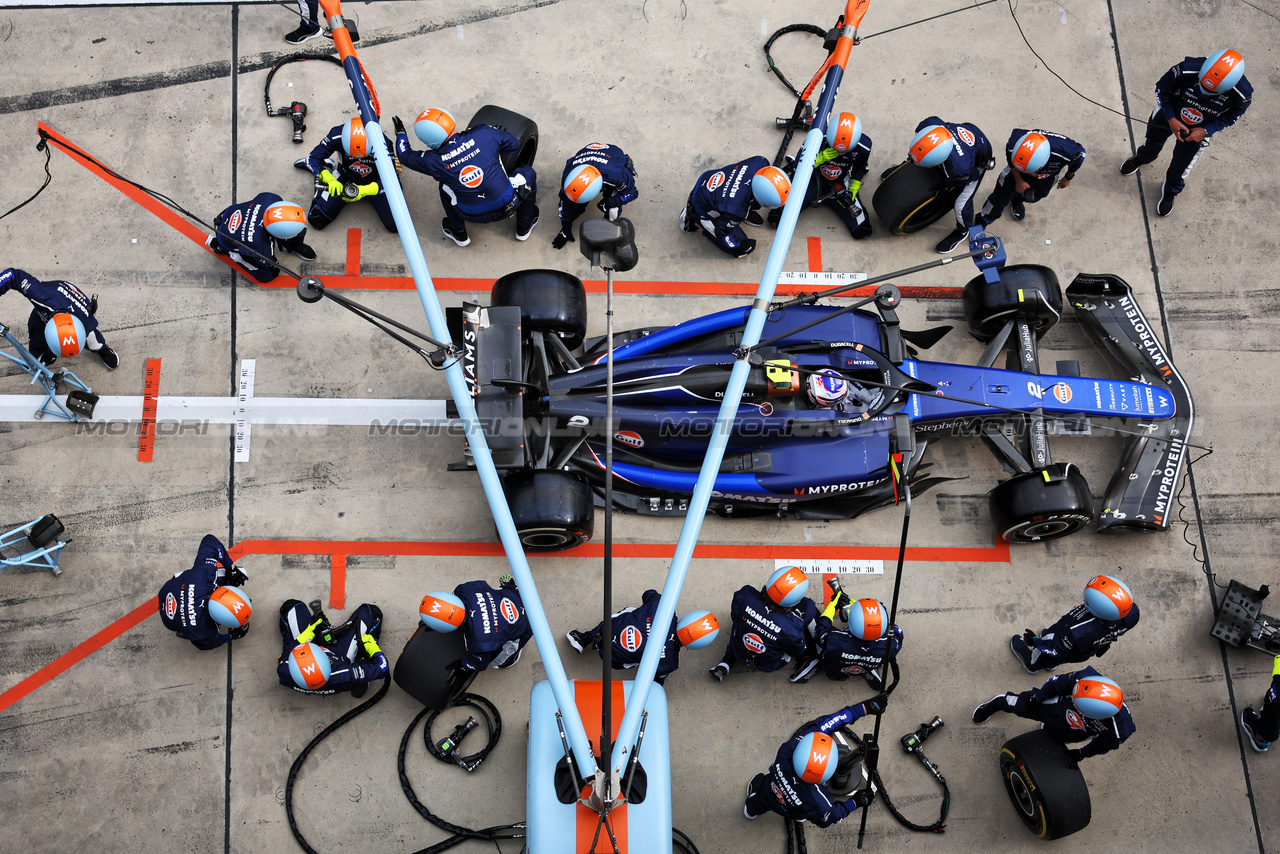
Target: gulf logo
column 471, row 176
column 777, row 793
column 1192, row 116
column 233, row 224
column 597, row 146
column 170, row 606
column 965, row 135
column 714, row 182
column 509, row 611
column 629, row 437
column 830, row 172
column 630, row 639
column 753, row 643
column 1062, row 392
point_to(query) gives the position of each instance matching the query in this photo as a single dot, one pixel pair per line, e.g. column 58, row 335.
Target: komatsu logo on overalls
column 762, row 620
column 449, row 155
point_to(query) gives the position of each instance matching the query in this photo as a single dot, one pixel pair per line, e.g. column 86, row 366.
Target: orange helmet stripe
column 819, row 757
column 308, row 666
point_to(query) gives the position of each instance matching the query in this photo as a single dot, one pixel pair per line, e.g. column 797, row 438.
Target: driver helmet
column 284, row 220
column 787, row 586
column 441, row 611
column 1097, row 697
column 229, row 607
column 931, row 146
column 64, row 334
column 1109, row 599
column 1221, row 72
column 815, row 758
column 770, row 187
column 697, row 629
column 827, row 388
column 866, row 618
column 583, row 184
column 1031, row 153
column 433, row 127
column 843, row 132
column 309, row 666
column 354, row 141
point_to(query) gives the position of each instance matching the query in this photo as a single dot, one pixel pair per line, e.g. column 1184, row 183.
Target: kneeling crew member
column 205, row 604
column 964, row 154
column 631, row 628
column 355, row 168
column 599, row 173
column 723, row 198
column 62, row 318
column 320, row 659
column 494, row 625
column 247, row 233
column 860, row 651
column 1035, row 159
column 770, row 624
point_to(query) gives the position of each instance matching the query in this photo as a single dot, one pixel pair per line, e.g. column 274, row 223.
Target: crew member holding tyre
column 1035, row 157
column 1071, row 707
column 474, row 185
column 1263, row 726
column 1087, row 630
column 318, row 658
column 600, row 173
column 859, row 651
column 963, row 154
column 62, row 320
column 205, row 604
column 1195, row 99
column 795, row 786
column 631, row 628
column 353, row 177
column 494, row 625
column 770, row 625
column 248, row 233
column 839, row 169
column 724, row 198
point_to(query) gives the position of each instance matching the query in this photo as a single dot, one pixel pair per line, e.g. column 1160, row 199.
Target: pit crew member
column 859, row 651
column 770, row 624
column 964, row 155
column 205, row 604
column 1263, row 726
column 1035, row 158
column 318, row 658
column 631, row 628
column 76, row 324
column 600, row 173
column 1087, row 630
column 249, row 232
column 839, row 170
column 724, row 198
column 342, row 160
column 494, row 625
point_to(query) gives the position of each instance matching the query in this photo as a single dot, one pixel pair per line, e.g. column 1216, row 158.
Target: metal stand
column 80, row 400
column 37, row 543
column 1240, row 621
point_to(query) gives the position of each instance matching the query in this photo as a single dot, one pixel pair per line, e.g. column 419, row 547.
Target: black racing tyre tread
column 553, row 510
column 1026, row 508
column 988, row 306
column 1050, row 796
column 911, row 198
column 549, row 300
column 422, row 671
column 521, row 127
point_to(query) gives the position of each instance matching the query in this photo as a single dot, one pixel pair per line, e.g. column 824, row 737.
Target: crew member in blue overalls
column 474, row 185
column 1263, row 726
column 600, row 173
column 859, row 651
column 631, row 628
column 205, row 604
column 724, row 198
column 964, row 154
column 1035, row 157
column 355, row 167
column 248, row 232
column 49, row 299
column 770, row 624
column 318, row 658
column 1087, row 630
column 494, row 625
column 1071, row 708
column 795, row 786
column 1195, row 99
column 838, row 169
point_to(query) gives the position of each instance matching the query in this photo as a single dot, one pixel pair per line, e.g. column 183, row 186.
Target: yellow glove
column 370, row 189
column 370, row 645
column 854, row 187
column 825, row 155
column 309, row 633
column 332, row 184
column 1275, row 671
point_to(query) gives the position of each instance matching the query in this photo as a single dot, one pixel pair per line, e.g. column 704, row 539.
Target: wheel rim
column 548, row 539
column 1021, row 794
column 1048, row 528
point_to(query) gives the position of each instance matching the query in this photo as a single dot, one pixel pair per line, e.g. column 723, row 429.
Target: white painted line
column 248, row 367
column 818, row 566
column 824, row 280
column 287, row 411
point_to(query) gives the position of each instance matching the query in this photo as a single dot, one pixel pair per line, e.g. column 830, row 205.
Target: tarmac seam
column 231, row 440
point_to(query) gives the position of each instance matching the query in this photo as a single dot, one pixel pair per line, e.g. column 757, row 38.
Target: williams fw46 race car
column 833, row 393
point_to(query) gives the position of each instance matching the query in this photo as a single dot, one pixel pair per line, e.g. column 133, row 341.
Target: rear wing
column 1140, row 493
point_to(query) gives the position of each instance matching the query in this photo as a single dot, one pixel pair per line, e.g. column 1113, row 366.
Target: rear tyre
column 1024, row 290
column 522, row 128
column 1029, row 508
column 550, row 301
column 553, row 510
column 423, row 669
column 911, row 197
column 1050, row 796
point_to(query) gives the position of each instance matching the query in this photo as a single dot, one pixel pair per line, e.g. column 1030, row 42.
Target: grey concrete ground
column 149, row 745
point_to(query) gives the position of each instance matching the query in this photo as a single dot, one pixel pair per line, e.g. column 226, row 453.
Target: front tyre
column 1050, row 796
column 550, row 301
column 1044, row 504
column 552, row 510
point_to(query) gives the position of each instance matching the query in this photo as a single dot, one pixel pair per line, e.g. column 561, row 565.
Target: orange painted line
column 353, row 251
column 150, row 394
column 589, row 698
column 826, row 589
column 338, row 581
column 76, row 654
column 815, row 254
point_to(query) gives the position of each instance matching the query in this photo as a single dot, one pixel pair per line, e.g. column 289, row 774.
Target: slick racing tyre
column 424, row 669
column 550, row 301
column 553, row 510
column 1050, row 796
column 1024, row 290
column 911, row 197
column 1044, row 504
column 523, row 129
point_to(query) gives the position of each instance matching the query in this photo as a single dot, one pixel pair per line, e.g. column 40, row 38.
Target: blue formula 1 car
column 835, row 392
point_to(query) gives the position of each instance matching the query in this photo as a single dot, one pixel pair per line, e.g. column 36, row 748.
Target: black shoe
column 685, row 226
column 211, row 244
column 359, row 690
column 109, row 357
column 1248, row 722
column 305, row 33
column 754, row 218
column 720, row 671
column 305, row 252
column 529, row 230
column 461, row 238
column 1018, row 211
column 93, row 304
column 1130, row 166
column 775, row 217
column 1164, row 207
column 873, row 680
column 578, row 640
column 1021, row 650
column 987, row 709
column 952, row 240
column 46, row 358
